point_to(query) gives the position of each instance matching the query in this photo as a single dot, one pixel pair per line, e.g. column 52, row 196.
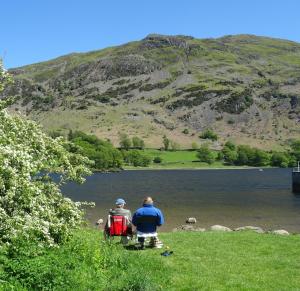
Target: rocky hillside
column 244, row 87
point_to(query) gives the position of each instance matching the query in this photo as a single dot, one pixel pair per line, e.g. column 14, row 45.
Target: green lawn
column 201, row 261
column 183, row 159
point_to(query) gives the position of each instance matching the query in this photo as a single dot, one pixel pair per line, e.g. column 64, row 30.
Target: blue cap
column 120, row 201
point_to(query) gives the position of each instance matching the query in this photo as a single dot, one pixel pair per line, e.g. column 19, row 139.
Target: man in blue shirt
column 147, row 219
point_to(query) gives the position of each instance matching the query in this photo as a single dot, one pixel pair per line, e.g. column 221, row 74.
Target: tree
column 205, row 154
column 103, row 153
column 295, row 145
column 245, row 155
column 229, row 155
column 138, row 143
column 136, row 158
column 230, row 145
column 125, row 142
column 261, row 158
column 31, row 205
column 166, row 143
column 279, row 160
column 209, row 134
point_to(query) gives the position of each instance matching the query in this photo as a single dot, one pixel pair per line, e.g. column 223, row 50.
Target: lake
column 228, row 197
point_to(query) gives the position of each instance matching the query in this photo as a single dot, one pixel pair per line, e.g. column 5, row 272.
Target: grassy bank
column 183, row 159
column 201, row 261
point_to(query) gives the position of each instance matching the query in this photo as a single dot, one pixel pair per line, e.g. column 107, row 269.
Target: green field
column 201, row 261
column 183, row 159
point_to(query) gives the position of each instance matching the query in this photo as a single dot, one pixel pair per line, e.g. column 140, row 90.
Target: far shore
column 131, row 168
column 196, row 168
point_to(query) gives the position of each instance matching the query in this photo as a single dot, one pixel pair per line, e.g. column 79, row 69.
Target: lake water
column 228, row 197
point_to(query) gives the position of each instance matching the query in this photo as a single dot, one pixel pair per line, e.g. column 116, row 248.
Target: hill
column 245, row 87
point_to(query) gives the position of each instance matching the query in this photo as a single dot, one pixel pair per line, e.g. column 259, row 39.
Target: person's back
column 114, row 223
column 147, row 219
column 121, row 211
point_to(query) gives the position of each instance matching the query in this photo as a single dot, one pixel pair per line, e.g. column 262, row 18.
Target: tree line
column 244, row 155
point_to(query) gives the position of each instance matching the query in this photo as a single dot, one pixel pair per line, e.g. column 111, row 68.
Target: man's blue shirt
column 147, row 218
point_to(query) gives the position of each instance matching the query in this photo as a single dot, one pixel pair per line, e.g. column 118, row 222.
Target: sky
column 38, row 30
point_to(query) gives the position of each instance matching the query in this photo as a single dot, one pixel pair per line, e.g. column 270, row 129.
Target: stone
column 280, row 232
column 250, row 227
column 220, row 228
column 188, row 228
column 99, row 221
column 200, row 229
column 191, row 220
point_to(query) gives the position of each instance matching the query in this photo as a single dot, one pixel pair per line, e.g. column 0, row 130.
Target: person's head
column 120, row 203
column 148, row 201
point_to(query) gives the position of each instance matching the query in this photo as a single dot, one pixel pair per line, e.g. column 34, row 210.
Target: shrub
column 103, row 153
column 166, row 143
column 205, row 155
column 125, row 142
column 31, row 204
column 279, row 160
column 209, row 134
column 157, row 160
column 136, row 158
column 138, row 143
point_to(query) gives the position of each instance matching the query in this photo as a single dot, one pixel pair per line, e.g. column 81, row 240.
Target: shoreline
column 199, row 168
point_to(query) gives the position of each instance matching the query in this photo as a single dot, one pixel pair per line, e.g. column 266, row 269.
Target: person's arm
column 129, row 216
column 134, row 219
column 161, row 219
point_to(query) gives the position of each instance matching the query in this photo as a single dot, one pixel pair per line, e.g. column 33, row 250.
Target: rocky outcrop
column 159, row 41
column 99, row 221
column 109, row 68
column 249, row 227
column 220, row 228
column 191, row 220
column 188, row 228
column 280, row 232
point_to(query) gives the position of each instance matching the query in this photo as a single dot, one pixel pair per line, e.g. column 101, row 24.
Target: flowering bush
column 31, row 203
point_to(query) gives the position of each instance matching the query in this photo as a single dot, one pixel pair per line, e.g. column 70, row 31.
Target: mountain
column 244, row 87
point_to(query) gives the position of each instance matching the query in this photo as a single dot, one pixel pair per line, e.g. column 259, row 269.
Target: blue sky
column 38, row 30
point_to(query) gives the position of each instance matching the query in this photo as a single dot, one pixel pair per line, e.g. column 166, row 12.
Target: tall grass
column 86, row 262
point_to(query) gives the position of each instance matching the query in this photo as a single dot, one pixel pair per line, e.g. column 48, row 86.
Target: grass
column 201, row 261
column 183, row 159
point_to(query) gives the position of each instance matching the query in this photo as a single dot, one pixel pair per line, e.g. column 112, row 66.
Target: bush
column 279, row 160
column 209, row 134
column 205, row 155
column 103, row 153
column 138, row 143
column 166, row 143
column 31, row 204
column 136, row 158
column 157, row 160
column 125, row 142
column 229, row 156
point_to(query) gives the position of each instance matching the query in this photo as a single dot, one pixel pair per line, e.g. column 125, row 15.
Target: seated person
column 119, row 222
column 147, row 219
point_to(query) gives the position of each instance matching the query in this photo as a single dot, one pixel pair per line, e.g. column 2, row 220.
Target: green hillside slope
column 244, row 87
